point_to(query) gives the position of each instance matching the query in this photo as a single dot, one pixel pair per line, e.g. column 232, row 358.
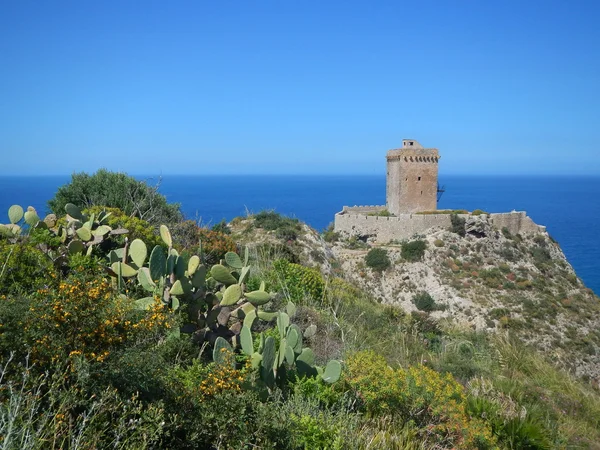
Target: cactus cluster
column 272, row 358
column 215, row 298
column 79, row 235
column 16, row 215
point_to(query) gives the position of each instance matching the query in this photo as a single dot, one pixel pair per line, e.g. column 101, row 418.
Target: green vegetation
column 116, row 190
column 414, row 250
column 457, row 225
column 424, row 302
column 382, row 213
column 378, row 259
column 150, row 343
column 285, row 228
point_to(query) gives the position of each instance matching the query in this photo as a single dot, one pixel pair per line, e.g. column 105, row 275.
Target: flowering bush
column 298, row 282
column 435, row 403
column 81, row 317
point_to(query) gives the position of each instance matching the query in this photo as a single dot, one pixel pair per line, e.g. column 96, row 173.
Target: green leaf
column 138, row 252
column 231, row 295
column 165, row 235
column 222, row 275
column 250, row 318
column 15, row 213
column 158, row 263
column 31, row 218
column 193, row 264
column 258, row 298
column 126, row 270
column 145, row 279
column 144, row 303
column 332, row 372
column 246, row 340
column 177, row 288
column 84, row 234
column 233, row 260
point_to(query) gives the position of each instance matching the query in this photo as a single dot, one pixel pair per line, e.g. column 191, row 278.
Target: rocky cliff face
column 488, row 280
column 491, row 280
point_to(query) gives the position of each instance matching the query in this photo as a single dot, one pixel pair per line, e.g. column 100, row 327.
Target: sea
column 568, row 206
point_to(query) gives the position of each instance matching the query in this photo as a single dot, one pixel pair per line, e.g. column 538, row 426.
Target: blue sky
column 150, row 87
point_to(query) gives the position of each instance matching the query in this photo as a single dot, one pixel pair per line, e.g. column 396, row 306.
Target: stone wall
column 516, row 222
column 353, row 222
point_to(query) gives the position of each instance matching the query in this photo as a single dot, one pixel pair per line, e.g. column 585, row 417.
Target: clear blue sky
column 151, row 87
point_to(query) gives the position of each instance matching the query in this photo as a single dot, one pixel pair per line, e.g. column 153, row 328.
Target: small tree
column 377, row 259
column 424, row 302
column 414, row 250
column 458, row 225
column 116, row 190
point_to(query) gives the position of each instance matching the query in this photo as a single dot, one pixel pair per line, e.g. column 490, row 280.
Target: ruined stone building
column 412, row 178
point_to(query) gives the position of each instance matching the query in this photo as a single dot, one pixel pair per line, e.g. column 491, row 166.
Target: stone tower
column 412, row 178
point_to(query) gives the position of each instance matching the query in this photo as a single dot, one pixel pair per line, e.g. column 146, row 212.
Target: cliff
column 487, row 280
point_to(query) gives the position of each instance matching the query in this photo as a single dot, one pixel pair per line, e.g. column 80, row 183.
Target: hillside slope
column 486, row 280
column 492, row 280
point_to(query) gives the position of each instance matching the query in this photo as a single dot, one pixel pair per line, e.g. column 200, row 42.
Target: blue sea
column 568, row 206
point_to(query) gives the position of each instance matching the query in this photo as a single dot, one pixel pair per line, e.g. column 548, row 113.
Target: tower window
column 419, row 179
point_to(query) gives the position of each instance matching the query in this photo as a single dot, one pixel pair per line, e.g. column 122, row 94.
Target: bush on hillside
column 424, row 302
column 414, row 250
column 378, row 259
column 298, row 282
column 458, row 225
column 116, row 190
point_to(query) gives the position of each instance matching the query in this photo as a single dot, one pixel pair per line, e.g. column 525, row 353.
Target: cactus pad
column 231, row 295
column 158, row 263
column 74, row 211
column 15, row 213
column 246, row 341
column 233, row 260
column 222, row 275
column 258, row 298
column 138, row 252
column 84, row 234
column 126, row 270
column 165, row 235
column 31, row 218
column 332, row 372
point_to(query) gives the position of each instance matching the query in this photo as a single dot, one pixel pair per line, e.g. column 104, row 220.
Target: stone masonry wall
column 412, row 180
column 352, row 222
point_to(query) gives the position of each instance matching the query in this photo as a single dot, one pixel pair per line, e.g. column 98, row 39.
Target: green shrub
column 298, row 282
column 23, row 267
column 116, row 190
column 507, row 234
column 329, row 235
column 438, row 243
column 382, row 213
column 435, row 403
column 355, row 243
column 458, row 225
column 270, row 220
column 424, row 302
column 287, row 232
column 414, row 250
column 479, row 212
column 138, row 228
column 377, row 259
column 221, row 227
